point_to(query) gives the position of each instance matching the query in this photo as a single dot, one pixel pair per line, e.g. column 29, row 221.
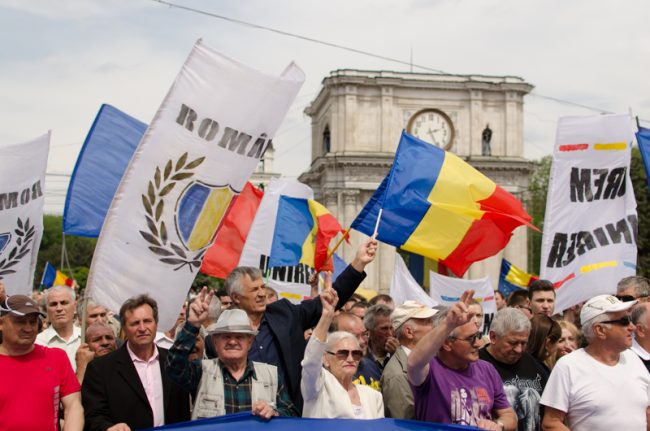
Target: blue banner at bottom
column 246, row 421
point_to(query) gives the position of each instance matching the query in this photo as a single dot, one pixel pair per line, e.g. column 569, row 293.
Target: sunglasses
column 343, row 354
column 629, row 298
column 470, row 340
column 623, row 321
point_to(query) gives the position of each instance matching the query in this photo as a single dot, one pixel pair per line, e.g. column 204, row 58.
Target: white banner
column 404, row 287
column 196, row 156
column 448, row 290
column 257, row 248
column 294, row 292
column 22, row 183
column 590, row 225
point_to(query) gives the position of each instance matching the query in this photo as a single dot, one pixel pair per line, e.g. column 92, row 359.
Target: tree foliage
column 640, row 184
column 538, row 190
column 80, row 254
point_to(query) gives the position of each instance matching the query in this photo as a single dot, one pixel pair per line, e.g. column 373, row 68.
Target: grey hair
column 399, row 333
column 233, row 283
column 638, row 315
column 214, row 309
column 510, row 320
column 588, row 326
column 89, row 303
column 370, row 319
column 60, row 287
column 334, row 338
column 640, row 284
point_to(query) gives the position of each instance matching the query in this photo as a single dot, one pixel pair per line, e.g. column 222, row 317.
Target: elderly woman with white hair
column 328, row 370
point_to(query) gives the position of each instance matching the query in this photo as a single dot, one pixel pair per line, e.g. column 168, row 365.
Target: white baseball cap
column 602, row 304
column 410, row 310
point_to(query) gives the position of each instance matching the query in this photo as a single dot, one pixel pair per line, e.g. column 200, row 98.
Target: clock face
column 434, row 126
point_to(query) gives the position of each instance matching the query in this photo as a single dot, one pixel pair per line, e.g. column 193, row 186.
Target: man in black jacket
column 281, row 325
column 129, row 389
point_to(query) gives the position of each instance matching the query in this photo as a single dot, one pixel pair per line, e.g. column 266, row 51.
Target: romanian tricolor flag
column 54, row 277
column 303, row 230
column 436, row 205
column 513, row 278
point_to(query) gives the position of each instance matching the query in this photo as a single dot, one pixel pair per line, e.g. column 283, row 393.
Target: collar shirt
column 151, row 378
column 50, row 338
column 163, row 341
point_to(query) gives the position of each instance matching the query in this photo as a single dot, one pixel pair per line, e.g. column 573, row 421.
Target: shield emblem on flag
column 200, row 210
column 4, row 240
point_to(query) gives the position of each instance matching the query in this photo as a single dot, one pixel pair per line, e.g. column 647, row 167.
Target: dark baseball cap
column 20, row 305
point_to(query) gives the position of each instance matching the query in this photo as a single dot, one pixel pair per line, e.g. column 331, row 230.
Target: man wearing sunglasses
column 35, row 379
column 633, row 288
column 605, row 385
column 449, row 382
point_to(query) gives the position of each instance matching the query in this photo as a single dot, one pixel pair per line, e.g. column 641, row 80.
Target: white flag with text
column 22, row 183
column 202, row 146
column 590, row 227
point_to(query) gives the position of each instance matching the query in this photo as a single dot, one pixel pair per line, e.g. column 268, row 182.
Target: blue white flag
column 104, row 156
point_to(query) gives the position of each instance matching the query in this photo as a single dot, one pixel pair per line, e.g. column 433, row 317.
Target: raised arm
column 312, row 364
column 428, row 347
column 179, row 368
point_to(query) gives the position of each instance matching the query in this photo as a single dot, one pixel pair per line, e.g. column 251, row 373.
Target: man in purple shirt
column 450, row 384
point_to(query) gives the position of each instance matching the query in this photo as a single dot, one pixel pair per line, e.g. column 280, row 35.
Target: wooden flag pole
column 331, row 252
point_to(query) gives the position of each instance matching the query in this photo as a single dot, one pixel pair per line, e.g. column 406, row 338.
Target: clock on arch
column 433, row 126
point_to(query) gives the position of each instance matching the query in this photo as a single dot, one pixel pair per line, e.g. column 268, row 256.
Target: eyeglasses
column 470, row 340
column 623, row 321
column 343, row 354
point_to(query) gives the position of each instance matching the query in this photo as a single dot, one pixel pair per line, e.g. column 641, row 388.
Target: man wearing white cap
column 605, row 385
column 410, row 322
column 230, row 383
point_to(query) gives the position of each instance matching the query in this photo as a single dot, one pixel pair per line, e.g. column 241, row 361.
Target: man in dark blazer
column 129, row 389
column 281, row 325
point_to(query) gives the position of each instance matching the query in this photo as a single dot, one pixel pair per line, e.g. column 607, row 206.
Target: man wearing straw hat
column 232, row 382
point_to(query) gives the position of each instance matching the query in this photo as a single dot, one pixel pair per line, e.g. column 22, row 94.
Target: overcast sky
column 62, row 59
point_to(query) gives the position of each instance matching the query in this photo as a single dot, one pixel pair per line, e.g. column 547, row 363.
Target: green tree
column 80, row 251
column 538, row 189
column 639, row 182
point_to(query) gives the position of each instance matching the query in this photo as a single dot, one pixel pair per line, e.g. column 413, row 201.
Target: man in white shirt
column 605, row 385
column 61, row 303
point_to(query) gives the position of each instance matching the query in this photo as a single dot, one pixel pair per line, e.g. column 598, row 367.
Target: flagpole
column 331, row 252
column 374, row 235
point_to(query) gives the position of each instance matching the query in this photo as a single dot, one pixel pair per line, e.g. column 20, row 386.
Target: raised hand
column 460, row 313
column 328, row 297
column 198, row 311
column 365, row 254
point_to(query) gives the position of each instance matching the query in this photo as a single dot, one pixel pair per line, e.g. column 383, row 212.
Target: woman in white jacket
column 328, row 369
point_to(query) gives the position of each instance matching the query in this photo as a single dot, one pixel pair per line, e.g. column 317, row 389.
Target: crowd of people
column 333, row 356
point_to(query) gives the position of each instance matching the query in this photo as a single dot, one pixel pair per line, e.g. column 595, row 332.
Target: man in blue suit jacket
column 281, row 325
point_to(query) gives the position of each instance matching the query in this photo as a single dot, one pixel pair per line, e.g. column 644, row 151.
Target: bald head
column 100, row 339
column 353, row 324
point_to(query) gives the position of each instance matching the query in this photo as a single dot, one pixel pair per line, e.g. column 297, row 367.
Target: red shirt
column 31, row 387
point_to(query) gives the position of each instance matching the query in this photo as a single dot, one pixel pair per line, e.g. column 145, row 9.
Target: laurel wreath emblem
column 25, row 236
column 162, row 184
